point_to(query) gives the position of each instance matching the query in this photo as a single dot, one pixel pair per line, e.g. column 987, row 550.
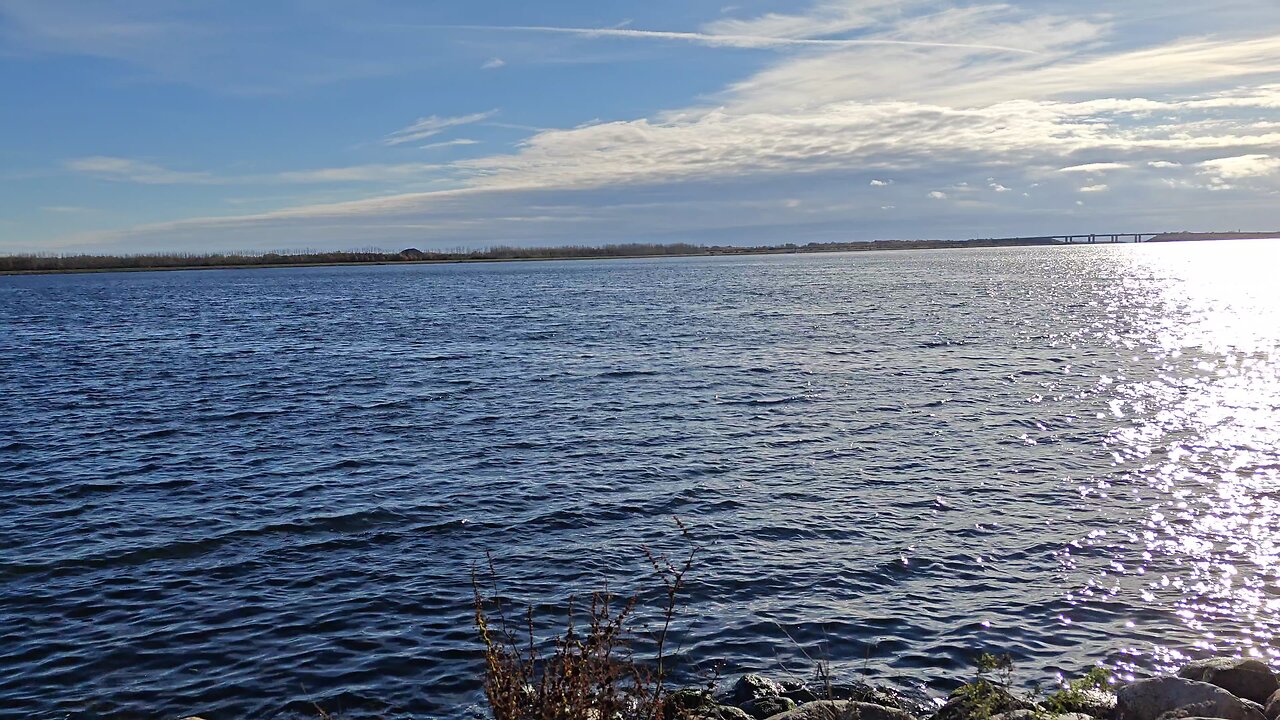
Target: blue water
column 240, row 492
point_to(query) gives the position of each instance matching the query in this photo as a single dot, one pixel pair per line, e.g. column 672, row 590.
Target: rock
column 718, row 712
column 1198, row 710
column 1039, row 715
column 681, row 702
column 982, row 699
column 1273, row 706
column 1149, row 699
column 767, row 707
column 867, row 693
column 1094, row 702
column 1248, row 679
column 1015, row 715
column 800, row 693
column 754, row 687
column 843, row 710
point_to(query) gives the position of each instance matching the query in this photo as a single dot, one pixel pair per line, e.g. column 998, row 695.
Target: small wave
column 623, row 374
column 242, row 415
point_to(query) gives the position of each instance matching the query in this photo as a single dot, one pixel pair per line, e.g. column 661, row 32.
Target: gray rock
column 843, row 710
column 802, row 694
column 1015, row 715
column 1249, row 679
column 1039, row 715
column 1273, row 706
column 754, row 687
column 867, row 693
column 682, row 701
column 719, row 712
column 1149, row 699
column 1199, row 710
column 767, row 707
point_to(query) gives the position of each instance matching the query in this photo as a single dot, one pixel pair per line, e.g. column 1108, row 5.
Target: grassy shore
column 78, row 263
column 41, row 264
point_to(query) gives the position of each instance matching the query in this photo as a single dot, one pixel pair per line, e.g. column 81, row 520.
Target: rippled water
column 237, row 492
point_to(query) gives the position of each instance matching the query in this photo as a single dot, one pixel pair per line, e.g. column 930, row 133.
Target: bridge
column 1106, row 237
column 1071, row 239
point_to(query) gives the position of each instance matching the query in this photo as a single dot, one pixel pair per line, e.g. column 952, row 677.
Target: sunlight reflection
column 1198, row 439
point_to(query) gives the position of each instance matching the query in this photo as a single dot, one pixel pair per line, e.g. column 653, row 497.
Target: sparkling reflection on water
column 235, row 493
column 1197, row 441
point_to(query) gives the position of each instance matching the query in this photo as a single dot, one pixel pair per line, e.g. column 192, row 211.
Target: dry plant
column 588, row 672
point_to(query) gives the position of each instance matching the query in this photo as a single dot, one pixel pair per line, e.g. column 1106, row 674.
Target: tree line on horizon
column 158, row 261
column 147, row 261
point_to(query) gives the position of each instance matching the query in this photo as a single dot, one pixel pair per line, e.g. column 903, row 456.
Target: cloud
column 432, row 125
column 1241, row 167
column 757, row 42
column 1162, row 164
column 493, row 63
column 719, row 146
column 822, row 19
column 118, row 169
column 919, row 95
column 378, row 173
column 137, row 171
column 1094, row 167
column 449, row 143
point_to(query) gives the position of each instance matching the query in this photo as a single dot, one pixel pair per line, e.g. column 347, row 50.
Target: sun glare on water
column 1197, row 441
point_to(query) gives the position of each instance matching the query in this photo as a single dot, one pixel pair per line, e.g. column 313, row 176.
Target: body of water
column 239, row 492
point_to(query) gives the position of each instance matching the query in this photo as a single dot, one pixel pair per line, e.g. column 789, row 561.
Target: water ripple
column 244, row 492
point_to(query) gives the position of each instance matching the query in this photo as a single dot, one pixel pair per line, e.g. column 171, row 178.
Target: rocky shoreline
column 1212, row 689
column 1217, row 688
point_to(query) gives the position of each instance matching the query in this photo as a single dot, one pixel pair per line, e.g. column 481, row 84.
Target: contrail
column 738, row 41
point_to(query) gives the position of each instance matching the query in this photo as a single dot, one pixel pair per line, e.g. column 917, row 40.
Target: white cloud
column 737, row 41
column 146, row 173
column 822, row 19
column 352, row 174
column 449, row 143
column 1094, row 167
column 919, row 95
column 137, row 171
column 1241, row 167
column 432, row 125
column 493, row 63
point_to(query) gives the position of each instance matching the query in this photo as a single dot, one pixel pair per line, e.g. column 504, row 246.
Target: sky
column 237, row 125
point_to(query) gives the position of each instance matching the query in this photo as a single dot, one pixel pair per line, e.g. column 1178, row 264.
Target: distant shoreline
column 56, row 265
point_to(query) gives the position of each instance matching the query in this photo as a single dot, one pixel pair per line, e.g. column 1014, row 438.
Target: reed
column 588, row 671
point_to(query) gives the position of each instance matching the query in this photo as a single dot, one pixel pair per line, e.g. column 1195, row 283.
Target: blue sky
column 150, row 125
